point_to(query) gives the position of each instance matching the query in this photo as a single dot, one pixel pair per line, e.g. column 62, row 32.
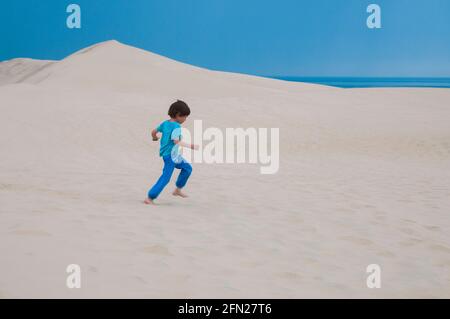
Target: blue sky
column 263, row 37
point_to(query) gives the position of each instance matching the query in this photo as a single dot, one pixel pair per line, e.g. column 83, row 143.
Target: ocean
column 355, row 82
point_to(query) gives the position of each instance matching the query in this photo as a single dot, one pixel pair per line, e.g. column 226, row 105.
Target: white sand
column 364, row 178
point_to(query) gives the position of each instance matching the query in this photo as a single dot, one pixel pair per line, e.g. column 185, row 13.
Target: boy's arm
column 154, row 135
column 176, row 138
column 183, row 144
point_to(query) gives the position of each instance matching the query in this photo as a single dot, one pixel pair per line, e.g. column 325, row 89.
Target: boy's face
column 181, row 119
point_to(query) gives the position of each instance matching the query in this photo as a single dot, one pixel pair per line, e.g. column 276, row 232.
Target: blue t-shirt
column 170, row 131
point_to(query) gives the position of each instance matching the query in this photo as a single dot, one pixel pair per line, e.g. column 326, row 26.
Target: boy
column 169, row 151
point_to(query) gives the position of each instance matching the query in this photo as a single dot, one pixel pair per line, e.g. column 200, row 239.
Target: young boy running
column 169, row 151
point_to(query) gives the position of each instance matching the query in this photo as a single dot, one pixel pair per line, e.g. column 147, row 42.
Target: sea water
column 361, row 82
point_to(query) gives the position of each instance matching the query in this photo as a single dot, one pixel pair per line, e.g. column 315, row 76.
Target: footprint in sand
column 411, row 242
column 357, row 240
column 140, row 280
column 408, row 231
column 432, row 228
column 289, row 276
column 386, row 253
column 409, row 221
column 92, row 269
column 157, row 250
column 440, row 248
column 404, row 200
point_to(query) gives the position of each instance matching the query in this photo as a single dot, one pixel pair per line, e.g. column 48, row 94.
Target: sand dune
column 19, row 70
column 364, row 178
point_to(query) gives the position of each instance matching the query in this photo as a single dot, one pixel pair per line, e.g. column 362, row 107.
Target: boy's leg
column 186, row 170
column 169, row 166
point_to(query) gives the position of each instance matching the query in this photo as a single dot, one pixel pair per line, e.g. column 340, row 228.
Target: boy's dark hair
column 179, row 108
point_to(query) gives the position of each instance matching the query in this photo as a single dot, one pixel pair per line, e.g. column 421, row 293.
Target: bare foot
column 148, row 201
column 178, row 192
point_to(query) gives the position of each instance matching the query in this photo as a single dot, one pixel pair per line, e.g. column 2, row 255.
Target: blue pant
column 169, row 166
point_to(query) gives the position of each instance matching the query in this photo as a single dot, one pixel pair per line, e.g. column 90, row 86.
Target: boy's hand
column 194, row 147
column 155, row 135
